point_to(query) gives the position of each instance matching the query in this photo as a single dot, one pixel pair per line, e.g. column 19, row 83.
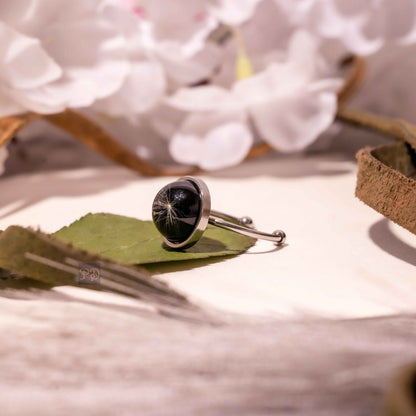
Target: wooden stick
column 394, row 127
column 9, row 126
column 97, row 139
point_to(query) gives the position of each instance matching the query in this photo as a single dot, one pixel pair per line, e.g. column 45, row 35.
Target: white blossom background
column 150, row 72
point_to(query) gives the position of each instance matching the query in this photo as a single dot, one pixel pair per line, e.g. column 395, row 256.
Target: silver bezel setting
column 203, row 217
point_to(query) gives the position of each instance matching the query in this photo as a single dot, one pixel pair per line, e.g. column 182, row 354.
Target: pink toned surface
column 272, row 348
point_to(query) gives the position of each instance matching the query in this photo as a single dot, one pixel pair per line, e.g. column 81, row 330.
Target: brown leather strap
column 386, row 179
column 385, row 183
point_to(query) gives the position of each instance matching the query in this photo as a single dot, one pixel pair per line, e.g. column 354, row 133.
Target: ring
column 181, row 212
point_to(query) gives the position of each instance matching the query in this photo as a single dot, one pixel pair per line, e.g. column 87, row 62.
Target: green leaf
column 132, row 241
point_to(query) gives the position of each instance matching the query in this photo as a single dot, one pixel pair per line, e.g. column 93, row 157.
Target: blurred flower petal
column 288, row 102
column 226, row 145
column 186, row 148
column 234, row 12
column 212, row 140
column 363, row 26
column 33, row 16
column 9, row 106
column 204, row 98
column 184, row 69
column 58, row 54
column 294, row 121
column 180, row 20
column 23, row 61
column 142, row 90
column 98, row 56
column 165, row 120
column 300, row 68
column 41, row 100
column 176, row 32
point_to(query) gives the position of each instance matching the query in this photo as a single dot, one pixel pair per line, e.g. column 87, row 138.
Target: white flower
column 363, row 26
column 263, row 39
column 175, row 33
column 166, row 47
column 213, row 138
column 288, row 103
column 145, row 83
column 56, row 54
column 3, row 157
column 234, row 12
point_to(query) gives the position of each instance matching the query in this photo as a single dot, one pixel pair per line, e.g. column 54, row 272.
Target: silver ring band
column 244, row 225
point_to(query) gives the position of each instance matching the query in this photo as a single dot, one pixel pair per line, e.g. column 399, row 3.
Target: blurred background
column 199, row 82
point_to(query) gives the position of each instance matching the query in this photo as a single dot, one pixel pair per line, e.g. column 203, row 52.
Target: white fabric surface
column 342, row 259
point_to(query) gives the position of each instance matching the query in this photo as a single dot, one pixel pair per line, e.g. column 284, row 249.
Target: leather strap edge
column 386, row 189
